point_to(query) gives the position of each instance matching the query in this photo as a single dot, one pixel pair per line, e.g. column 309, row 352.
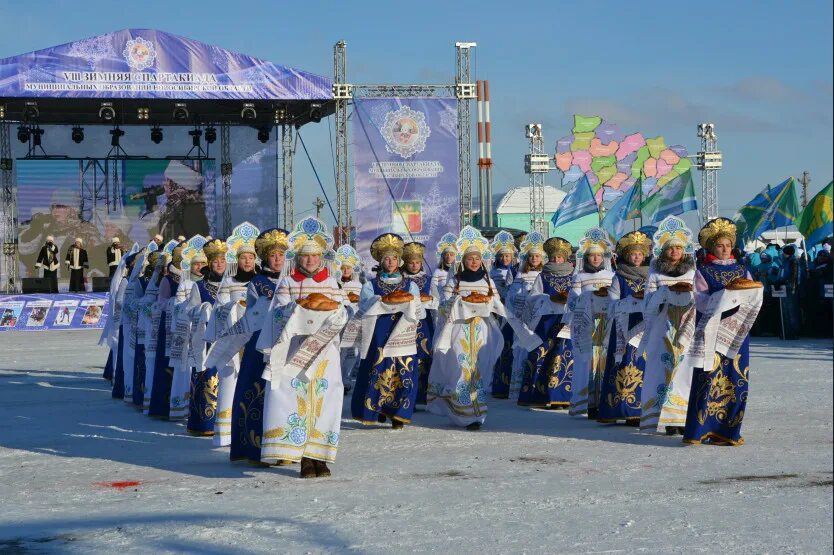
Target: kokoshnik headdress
column 387, row 244
column 503, row 243
column 672, row 232
column 470, row 241
column 193, row 252
column 242, row 240
column 717, row 229
column 557, row 246
column 634, row 240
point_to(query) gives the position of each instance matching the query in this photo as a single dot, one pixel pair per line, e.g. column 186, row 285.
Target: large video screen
column 96, row 200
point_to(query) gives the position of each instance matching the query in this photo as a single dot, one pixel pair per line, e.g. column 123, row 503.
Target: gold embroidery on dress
column 627, row 380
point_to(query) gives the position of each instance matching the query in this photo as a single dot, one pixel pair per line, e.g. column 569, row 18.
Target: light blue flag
column 578, row 203
column 675, row 198
column 618, row 215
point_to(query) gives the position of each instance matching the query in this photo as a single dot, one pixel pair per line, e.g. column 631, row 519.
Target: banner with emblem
column 405, row 169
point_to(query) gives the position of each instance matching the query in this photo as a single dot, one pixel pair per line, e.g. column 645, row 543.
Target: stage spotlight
column 77, row 134
column 143, row 113
column 211, row 134
column 180, row 111
column 248, row 111
column 23, row 134
column 36, row 136
column 263, row 134
column 280, row 115
column 156, row 134
column 2, row 111
column 31, row 112
column 315, row 112
column 106, row 112
column 115, row 134
column 195, row 137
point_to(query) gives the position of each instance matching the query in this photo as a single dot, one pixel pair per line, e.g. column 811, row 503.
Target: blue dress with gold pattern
column 248, row 405
column 622, row 381
column 718, row 397
column 384, row 385
column 548, row 371
column 139, row 362
column 425, row 337
column 163, row 374
column 202, row 404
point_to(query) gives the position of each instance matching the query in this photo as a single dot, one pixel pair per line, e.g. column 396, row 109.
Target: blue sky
column 761, row 71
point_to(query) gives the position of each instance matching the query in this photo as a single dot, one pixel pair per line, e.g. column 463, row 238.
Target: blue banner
column 144, row 63
column 405, row 170
column 71, row 311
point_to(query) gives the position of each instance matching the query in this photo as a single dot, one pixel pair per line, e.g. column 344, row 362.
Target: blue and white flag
column 578, row 203
column 618, row 215
column 675, row 198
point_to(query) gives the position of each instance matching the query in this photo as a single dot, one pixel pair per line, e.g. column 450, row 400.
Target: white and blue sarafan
column 243, row 234
column 192, row 247
column 152, row 247
column 502, row 240
column 672, row 228
column 311, row 229
column 472, row 238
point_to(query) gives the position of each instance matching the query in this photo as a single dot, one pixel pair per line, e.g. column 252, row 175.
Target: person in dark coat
column 48, row 261
column 114, row 255
column 77, row 262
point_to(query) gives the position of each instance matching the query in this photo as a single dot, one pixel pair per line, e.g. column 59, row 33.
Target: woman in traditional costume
column 412, row 270
column 160, row 396
column 204, row 382
column 669, row 311
column 349, row 265
column 227, row 310
column 728, row 302
column 502, row 273
column 150, row 320
column 622, row 380
column 303, row 408
column 588, row 304
column 132, row 314
column 386, row 382
column 118, row 289
column 469, row 341
column 445, row 266
column 518, row 293
column 248, row 404
column 192, row 262
column 548, row 371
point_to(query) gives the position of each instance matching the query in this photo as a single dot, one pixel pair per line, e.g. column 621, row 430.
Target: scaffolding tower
column 709, row 161
column 536, row 165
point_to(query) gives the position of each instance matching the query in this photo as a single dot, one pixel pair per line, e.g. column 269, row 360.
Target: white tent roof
column 517, row 200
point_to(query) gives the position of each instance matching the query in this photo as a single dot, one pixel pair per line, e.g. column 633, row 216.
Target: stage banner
column 144, row 63
column 405, row 153
column 70, row 311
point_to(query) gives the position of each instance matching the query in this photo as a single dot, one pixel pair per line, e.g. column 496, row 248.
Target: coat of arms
column 405, row 131
column 139, row 53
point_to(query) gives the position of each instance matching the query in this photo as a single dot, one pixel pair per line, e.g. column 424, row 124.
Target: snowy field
column 529, row 482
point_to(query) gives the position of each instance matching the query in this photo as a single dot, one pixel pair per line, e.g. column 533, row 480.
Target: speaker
column 101, row 284
column 35, row 285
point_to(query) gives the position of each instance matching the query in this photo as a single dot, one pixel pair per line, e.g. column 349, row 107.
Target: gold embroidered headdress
column 413, row 251
column 715, row 230
column 310, row 237
column 672, row 232
column 270, row 241
column 387, row 244
column 634, row 240
column 215, row 249
column 556, row 246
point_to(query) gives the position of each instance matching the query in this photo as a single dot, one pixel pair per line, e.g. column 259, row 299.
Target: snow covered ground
column 529, row 482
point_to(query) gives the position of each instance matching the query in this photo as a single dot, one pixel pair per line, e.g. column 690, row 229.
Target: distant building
column 513, row 210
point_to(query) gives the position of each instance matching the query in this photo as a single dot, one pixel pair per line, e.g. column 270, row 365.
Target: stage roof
column 136, row 68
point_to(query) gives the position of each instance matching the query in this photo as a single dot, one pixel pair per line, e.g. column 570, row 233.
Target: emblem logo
column 405, row 132
column 139, row 53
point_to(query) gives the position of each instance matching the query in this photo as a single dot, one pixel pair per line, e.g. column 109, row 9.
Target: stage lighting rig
column 115, row 134
column 31, row 112
column 195, row 137
column 156, row 134
column 211, row 134
column 180, row 111
column 263, row 134
column 2, row 111
column 106, row 112
column 23, row 134
column 143, row 113
column 248, row 112
column 315, row 112
column 280, row 115
column 77, row 134
column 37, row 133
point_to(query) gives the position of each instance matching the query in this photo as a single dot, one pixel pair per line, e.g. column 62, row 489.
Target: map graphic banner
column 405, row 170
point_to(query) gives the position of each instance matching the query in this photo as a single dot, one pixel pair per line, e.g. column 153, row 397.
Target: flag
column 781, row 209
column 773, row 207
column 815, row 222
column 618, row 215
column 675, row 198
column 579, row 202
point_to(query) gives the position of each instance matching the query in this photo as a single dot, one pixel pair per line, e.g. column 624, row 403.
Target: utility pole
column 319, row 204
column 806, row 180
